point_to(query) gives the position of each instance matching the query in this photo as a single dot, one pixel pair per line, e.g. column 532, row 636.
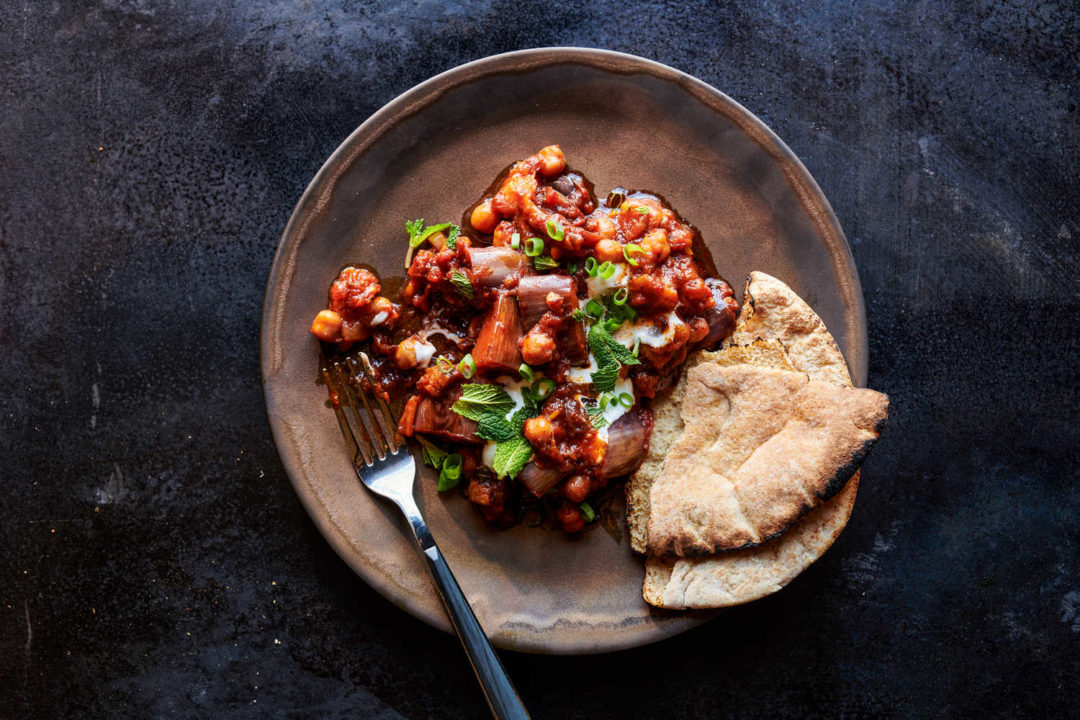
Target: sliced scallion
column 555, row 231
column 607, row 269
column 534, row 246
column 587, row 511
column 515, row 241
column 620, row 296
column 590, row 266
column 543, row 387
column 626, row 399
column 594, row 308
column 526, row 372
column 632, row 249
column 467, row 366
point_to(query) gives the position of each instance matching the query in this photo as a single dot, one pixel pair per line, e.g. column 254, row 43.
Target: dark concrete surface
column 154, row 560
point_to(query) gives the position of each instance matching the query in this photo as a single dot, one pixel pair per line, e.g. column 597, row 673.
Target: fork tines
column 372, row 432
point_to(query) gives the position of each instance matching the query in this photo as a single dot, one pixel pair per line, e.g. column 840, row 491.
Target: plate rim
column 423, row 95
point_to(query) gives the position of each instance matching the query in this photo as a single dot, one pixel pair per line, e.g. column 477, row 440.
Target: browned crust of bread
column 739, row 576
column 760, row 448
column 669, row 426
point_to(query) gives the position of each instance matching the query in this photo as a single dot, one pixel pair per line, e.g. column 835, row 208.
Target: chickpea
column 570, row 516
column 576, row 488
column 326, row 326
column 354, row 332
column 554, row 301
column 405, row 357
column 655, row 243
column 605, row 227
column 537, row 347
column 609, row 251
column 504, row 234
column 538, row 430
column 552, row 161
column 699, row 328
column 483, row 218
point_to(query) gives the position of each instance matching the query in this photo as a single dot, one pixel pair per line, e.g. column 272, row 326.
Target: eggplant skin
column 627, row 444
column 434, row 416
column 497, row 344
column 533, row 291
column 539, row 480
column 493, row 265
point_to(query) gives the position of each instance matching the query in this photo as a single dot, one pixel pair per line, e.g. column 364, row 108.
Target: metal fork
column 385, row 466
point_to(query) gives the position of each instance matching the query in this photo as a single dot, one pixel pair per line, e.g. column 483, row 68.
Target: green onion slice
column 515, row 241
column 641, row 210
column 590, row 266
column 607, row 269
column 534, row 246
column 587, row 511
column 467, row 366
column 555, row 231
column 594, row 308
column 526, row 372
column 450, row 474
column 543, row 387
column 612, row 324
column 452, row 466
column 629, row 249
column 604, row 400
column 626, row 399
column 620, row 296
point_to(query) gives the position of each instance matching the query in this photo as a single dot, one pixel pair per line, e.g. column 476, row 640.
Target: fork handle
column 501, row 696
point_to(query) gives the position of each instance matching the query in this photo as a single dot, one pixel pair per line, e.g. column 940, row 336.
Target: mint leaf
column 461, row 283
column 598, row 419
column 452, row 236
column 433, row 456
column 477, row 399
column 493, row 425
column 544, row 262
column 599, row 337
column 511, row 456
column 605, row 377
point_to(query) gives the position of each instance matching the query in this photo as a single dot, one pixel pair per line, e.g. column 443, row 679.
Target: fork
column 385, row 465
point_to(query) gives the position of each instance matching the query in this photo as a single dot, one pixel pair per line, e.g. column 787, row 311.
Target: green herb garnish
column 534, row 246
column 545, row 262
column 587, row 511
column 452, row 236
column 461, row 283
column 555, row 231
column 450, row 474
column 480, row 398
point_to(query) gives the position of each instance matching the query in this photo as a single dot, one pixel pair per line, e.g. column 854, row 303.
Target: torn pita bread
column 740, row 576
column 760, row 448
column 668, row 426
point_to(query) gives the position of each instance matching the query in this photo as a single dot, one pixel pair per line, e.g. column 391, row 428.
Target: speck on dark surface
column 155, row 561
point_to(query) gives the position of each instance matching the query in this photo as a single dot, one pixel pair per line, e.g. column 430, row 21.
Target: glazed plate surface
column 430, row 153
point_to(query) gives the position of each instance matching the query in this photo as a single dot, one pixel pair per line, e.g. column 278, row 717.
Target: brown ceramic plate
column 430, row 153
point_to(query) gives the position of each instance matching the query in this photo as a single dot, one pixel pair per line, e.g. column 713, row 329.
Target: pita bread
column 668, row 426
column 740, row 576
column 759, row 449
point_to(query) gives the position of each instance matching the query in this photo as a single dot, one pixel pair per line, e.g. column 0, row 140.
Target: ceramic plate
column 430, row 153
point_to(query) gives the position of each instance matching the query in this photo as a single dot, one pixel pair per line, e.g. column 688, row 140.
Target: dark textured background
column 154, row 561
